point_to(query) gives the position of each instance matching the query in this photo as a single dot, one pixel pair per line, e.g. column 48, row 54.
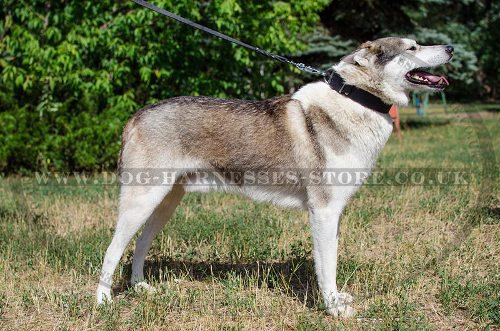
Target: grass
column 416, row 257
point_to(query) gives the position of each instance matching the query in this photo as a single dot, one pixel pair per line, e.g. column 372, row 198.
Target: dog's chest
column 353, row 164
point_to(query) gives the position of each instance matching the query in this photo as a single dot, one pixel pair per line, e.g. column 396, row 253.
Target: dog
column 313, row 129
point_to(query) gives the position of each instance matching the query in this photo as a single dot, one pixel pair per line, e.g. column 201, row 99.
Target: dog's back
column 209, row 132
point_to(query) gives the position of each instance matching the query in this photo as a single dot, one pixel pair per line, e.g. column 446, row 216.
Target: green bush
column 72, row 72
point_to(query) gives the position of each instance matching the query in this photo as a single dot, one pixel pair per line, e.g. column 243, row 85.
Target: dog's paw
column 342, row 311
column 104, row 297
column 344, row 298
column 144, row 287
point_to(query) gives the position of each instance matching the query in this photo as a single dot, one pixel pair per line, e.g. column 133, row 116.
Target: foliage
column 72, row 72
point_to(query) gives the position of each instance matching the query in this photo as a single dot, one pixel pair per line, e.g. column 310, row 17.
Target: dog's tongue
column 433, row 78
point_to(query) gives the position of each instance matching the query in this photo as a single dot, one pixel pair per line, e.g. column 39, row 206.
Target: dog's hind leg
column 153, row 226
column 137, row 203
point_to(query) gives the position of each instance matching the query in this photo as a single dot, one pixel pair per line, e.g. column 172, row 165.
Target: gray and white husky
column 316, row 128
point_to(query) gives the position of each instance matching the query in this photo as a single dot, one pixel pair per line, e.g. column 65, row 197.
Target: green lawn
column 414, row 256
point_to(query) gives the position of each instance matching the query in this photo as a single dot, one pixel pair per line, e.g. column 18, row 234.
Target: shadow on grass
column 295, row 276
column 492, row 108
column 493, row 212
column 416, row 123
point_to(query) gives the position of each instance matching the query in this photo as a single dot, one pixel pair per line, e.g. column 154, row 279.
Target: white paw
column 104, row 296
column 344, row 298
column 144, row 287
column 343, row 311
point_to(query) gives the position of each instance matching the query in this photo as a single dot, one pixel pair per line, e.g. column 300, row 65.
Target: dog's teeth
column 420, row 78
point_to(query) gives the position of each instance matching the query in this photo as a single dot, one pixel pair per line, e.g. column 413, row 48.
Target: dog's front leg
column 325, row 231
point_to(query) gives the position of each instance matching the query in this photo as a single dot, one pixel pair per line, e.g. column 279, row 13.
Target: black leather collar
column 362, row 97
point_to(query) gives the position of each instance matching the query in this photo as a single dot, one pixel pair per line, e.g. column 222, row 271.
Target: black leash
column 336, row 82
column 300, row 66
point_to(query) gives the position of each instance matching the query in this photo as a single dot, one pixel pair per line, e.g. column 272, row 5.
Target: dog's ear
column 372, row 47
column 358, row 57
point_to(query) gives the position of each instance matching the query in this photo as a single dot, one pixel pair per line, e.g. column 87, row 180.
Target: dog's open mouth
column 417, row 76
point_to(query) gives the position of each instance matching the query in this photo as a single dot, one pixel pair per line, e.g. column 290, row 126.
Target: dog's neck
column 372, row 83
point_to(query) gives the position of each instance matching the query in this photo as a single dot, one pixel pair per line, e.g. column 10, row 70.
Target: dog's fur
column 315, row 128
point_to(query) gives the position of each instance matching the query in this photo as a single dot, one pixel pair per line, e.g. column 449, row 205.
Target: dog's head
column 390, row 68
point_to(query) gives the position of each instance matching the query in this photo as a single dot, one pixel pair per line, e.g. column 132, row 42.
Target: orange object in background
column 394, row 112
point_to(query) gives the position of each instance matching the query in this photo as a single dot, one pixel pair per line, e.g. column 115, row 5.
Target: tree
column 72, row 72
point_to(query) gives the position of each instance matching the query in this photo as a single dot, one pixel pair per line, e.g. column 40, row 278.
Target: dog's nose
column 449, row 49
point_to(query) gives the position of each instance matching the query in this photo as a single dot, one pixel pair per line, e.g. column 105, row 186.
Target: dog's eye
column 412, row 48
